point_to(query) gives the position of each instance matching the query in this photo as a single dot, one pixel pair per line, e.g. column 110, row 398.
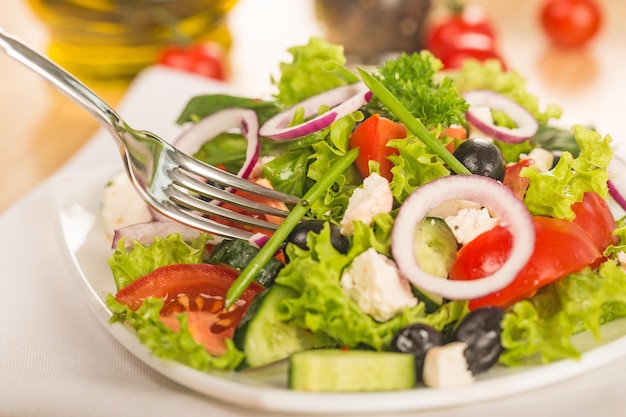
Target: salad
column 446, row 227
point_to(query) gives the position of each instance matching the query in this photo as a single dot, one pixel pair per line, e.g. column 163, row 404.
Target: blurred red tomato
column 571, row 23
column 204, row 59
column 465, row 33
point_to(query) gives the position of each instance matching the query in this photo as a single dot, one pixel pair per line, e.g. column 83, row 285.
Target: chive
column 412, row 123
column 249, row 273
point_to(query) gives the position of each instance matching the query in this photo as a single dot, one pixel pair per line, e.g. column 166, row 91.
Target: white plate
column 77, row 198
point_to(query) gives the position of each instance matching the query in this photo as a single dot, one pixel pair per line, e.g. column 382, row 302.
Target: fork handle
column 61, row 79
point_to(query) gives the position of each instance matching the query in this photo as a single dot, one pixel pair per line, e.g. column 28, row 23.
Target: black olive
column 417, row 339
column 480, row 330
column 299, row 233
column 557, row 158
column 480, row 156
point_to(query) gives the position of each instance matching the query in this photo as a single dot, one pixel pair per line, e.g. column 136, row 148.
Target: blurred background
column 570, row 51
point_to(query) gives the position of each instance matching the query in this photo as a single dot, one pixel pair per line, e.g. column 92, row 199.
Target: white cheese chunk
column 470, row 222
column 122, row 205
column 374, row 283
column 446, row 366
column 366, row 202
column 542, row 159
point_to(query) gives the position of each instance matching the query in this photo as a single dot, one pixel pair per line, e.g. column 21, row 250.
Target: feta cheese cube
column 374, row 283
column 542, row 159
column 122, row 205
column 470, row 222
column 366, row 202
column 446, row 366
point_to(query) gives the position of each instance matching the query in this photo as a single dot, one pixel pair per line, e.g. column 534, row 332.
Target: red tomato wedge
column 371, row 138
column 595, row 217
column 199, row 290
column 512, row 179
column 561, row 248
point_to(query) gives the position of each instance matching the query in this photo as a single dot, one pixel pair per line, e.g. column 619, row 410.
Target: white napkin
column 56, row 359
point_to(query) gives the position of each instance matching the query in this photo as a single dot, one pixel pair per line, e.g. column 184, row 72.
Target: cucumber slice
column 335, row 370
column 263, row 337
column 238, row 254
column 435, row 252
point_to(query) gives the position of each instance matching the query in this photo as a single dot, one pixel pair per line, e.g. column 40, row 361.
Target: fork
column 169, row 180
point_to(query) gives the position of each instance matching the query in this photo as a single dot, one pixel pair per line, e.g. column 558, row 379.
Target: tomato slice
column 457, row 133
column 198, row 289
column 371, row 138
column 512, row 179
column 561, row 248
column 595, row 217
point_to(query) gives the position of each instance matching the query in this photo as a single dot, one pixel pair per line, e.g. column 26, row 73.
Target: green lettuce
column 297, row 170
column 489, row 75
column 541, row 328
column 167, row 344
column 552, row 193
column 316, row 67
column 129, row 265
column 325, row 310
column 414, row 166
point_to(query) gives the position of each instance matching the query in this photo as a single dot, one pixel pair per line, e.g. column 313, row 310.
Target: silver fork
column 166, row 178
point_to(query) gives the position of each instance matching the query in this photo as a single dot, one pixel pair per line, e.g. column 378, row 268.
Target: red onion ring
column 145, row 233
column 492, row 194
column 617, row 181
column 345, row 99
column 216, row 123
column 526, row 124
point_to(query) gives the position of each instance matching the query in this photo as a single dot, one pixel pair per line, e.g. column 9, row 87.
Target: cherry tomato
column 198, row 289
column 205, row 59
column 456, row 57
column 595, row 217
column 371, row 138
column 465, row 33
column 571, row 23
column 561, row 248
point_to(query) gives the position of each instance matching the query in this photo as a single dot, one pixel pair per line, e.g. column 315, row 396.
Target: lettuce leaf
column 541, row 328
column 325, row 310
column 316, row 67
column 166, row 344
column 415, row 165
column 552, row 193
column 129, row 265
column 489, row 75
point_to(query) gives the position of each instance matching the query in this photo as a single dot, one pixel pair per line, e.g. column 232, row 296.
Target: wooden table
column 40, row 129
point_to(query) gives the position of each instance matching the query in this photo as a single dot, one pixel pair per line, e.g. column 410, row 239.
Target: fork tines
column 191, row 193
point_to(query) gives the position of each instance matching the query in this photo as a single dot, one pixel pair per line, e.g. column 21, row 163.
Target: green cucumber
column 336, row 370
column 263, row 337
column 238, row 254
column 435, row 252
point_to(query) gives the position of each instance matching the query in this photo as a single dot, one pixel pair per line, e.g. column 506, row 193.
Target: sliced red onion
column 497, row 198
column 258, row 240
column 343, row 100
column 219, row 122
column 617, row 181
column 479, row 99
column 146, row 232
